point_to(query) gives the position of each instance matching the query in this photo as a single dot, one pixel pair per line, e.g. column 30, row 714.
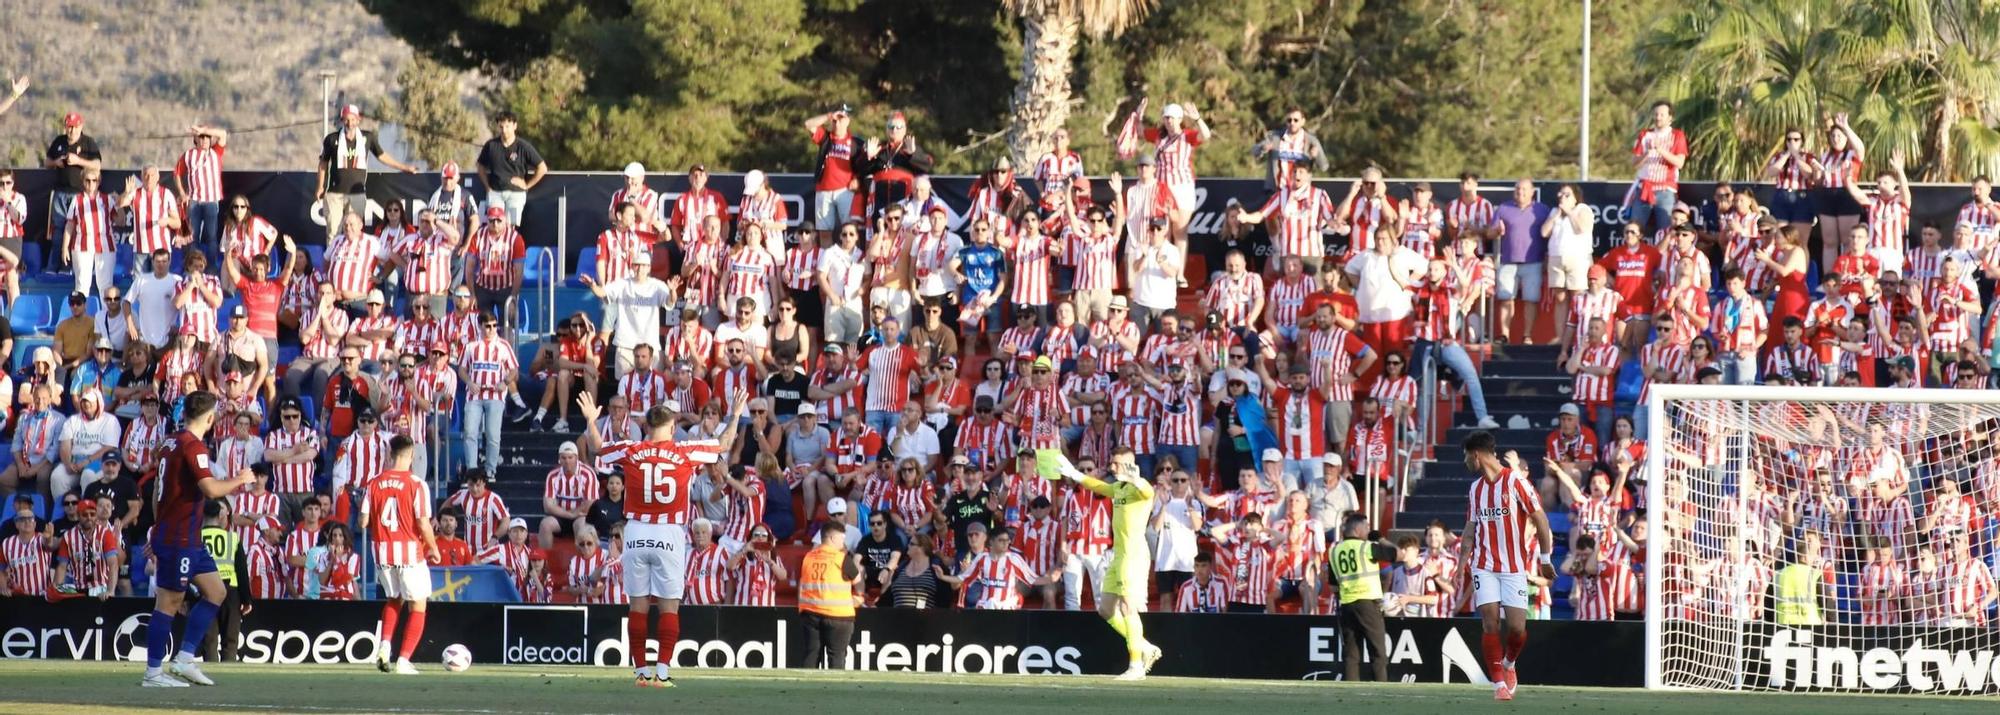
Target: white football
column 457, row 658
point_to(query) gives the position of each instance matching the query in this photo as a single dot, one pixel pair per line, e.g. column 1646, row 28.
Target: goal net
column 1821, row 539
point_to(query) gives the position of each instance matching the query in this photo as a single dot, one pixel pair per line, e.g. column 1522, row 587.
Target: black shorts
column 1835, row 202
column 1235, row 607
column 1169, row 582
column 1289, row 588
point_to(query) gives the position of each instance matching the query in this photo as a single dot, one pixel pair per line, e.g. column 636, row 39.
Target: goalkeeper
column 1125, row 578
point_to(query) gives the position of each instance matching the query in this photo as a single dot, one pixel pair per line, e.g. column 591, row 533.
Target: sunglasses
column 489, row 325
column 409, row 366
column 1238, row 356
column 289, row 417
column 908, row 470
column 349, row 358
column 1394, row 363
column 69, row 502
column 1041, row 372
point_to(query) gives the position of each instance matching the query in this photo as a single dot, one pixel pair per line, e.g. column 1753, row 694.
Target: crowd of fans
column 903, row 358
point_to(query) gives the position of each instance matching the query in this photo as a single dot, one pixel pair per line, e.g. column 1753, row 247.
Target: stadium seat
column 535, row 270
column 317, row 253
column 222, row 314
column 586, row 265
column 32, row 314
column 121, row 270
column 306, row 405
column 288, row 353
column 41, row 507
column 32, row 260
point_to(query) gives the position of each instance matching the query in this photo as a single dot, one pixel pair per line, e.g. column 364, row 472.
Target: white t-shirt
column 152, row 299
column 632, row 310
column 933, row 266
column 919, row 444
column 1567, row 241
column 1176, row 545
column 1378, row 297
column 1152, row 285
column 87, row 435
column 844, row 271
column 756, row 337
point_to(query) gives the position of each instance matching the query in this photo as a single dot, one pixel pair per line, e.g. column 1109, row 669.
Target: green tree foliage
column 1917, row 76
column 437, row 125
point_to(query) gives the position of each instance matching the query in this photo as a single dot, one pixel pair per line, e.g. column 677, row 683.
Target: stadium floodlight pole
column 1583, row 136
column 1656, row 488
column 325, row 102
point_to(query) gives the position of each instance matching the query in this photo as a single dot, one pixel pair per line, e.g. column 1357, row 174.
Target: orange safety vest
column 822, row 590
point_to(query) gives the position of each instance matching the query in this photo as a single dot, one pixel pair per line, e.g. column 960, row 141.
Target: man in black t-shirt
column 343, row 169
column 509, row 167
column 879, row 549
column 970, row 502
column 72, row 153
column 787, row 387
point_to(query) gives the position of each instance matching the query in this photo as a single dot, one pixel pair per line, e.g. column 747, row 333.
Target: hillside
column 141, row 71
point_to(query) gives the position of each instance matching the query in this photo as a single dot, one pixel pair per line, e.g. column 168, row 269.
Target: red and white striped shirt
column 888, row 379
column 1497, row 518
column 1444, row 567
column 198, row 314
column 1839, row 169
column 834, row 407
column 1737, row 323
column 703, row 267
column 485, row 516
column 290, row 478
column 1233, row 296
column 1791, row 172
column 998, row 576
column 1984, row 221
column 1968, row 584
column 573, row 490
column 910, row 503
column 1921, row 264
column 1472, row 213
column 746, row 511
column 417, row 336
column 1422, row 227
column 13, row 214
column 200, row 170
column 764, row 207
column 487, row 363
column 1182, row 424
column 494, row 253
column 615, row 249
column 1363, row 215
column 1434, row 317
column 1302, row 216
column 802, row 267
column 364, row 455
column 1592, row 596
column 510, row 556
column 1116, row 333
column 1949, row 323
column 1301, row 433
column 151, row 207
column 692, row 208
column 241, row 503
column 372, row 349
column 1288, row 295
column 755, row 584
column 1881, row 595
column 350, row 262
column 1888, row 222
column 1086, row 522
column 987, row 444
column 1037, row 411
column 1332, row 352
column 1248, row 564
column 643, row 388
column 27, row 565
column 751, row 270
column 1196, row 597
column 1038, row 539
column 1028, row 267
column 1096, row 262
column 690, row 342
column 297, row 543
column 707, row 570
column 90, row 218
column 143, row 442
column 1594, row 305
column 1055, row 172
column 1596, row 389
column 1391, row 393
column 645, row 199
column 266, row 578
column 250, row 238
column 586, row 571
column 1173, row 153
column 1134, row 409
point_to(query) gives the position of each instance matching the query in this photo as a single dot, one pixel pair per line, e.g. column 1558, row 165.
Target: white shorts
column 1892, row 259
column 1184, row 199
column 1510, row 590
column 831, row 208
column 1570, row 273
column 655, row 560
column 405, row 583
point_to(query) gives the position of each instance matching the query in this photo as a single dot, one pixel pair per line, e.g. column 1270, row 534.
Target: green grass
column 53, row 686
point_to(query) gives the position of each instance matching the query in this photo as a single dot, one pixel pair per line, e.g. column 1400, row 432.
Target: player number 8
column 659, row 485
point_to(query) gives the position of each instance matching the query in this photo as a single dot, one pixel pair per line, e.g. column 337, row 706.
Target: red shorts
column 1390, row 337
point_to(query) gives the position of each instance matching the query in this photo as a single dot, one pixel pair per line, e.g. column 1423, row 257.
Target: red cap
column 450, row 169
column 72, row 119
column 1599, row 272
column 189, row 329
column 86, row 507
column 496, row 212
column 350, row 111
column 538, row 555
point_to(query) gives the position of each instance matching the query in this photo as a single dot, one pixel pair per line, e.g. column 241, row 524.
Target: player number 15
column 659, row 484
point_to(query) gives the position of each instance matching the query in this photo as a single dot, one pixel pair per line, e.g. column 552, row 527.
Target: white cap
column 90, row 393
column 567, row 448
column 635, row 170
column 753, row 181
column 807, row 408
column 1332, row 459
column 671, row 404
column 1271, row 454
column 1171, row 110
column 642, row 257
column 375, row 296
column 517, row 523
column 836, row 506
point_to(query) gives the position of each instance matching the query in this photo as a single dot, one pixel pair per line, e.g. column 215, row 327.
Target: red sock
column 1489, row 645
column 1515, row 641
column 635, row 639
column 413, row 633
column 389, row 614
column 669, row 632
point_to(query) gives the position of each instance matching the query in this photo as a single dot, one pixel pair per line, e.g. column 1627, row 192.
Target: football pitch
column 92, row 687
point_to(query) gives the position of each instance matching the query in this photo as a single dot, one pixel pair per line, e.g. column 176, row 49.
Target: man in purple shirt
column 1521, row 254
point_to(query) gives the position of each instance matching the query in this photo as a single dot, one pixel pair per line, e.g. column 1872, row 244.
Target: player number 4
column 659, row 484
column 389, row 518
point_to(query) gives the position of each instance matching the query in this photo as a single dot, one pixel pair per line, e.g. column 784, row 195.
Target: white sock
column 660, row 670
column 402, row 661
column 1505, row 663
column 516, row 397
column 541, row 412
column 150, row 672
column 641, row 672
column 184, row 657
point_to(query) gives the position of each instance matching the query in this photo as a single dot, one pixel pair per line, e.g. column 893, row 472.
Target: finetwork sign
column 1796, row 662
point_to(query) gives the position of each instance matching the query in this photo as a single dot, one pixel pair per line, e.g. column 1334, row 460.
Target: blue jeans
column 205, row 222
column 1737, row 370
column 1452, row 356
column 483, row 417
column 58, row 220
column 1652, row 213
column 1302, row 473
column 1184, row 454
column 883, row 420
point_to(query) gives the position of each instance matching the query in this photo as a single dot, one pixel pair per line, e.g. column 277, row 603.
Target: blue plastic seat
column 31, row 314
column 318, row 255
column 586, row 265
column 32, row 260
column 535, row 271
column 306, row 406
column 222, row 314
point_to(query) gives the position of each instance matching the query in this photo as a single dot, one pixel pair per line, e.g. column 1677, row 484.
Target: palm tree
column 1050, row 29
column 1919, row 76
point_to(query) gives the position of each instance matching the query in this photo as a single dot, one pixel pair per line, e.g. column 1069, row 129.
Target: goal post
column 1821, row 539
